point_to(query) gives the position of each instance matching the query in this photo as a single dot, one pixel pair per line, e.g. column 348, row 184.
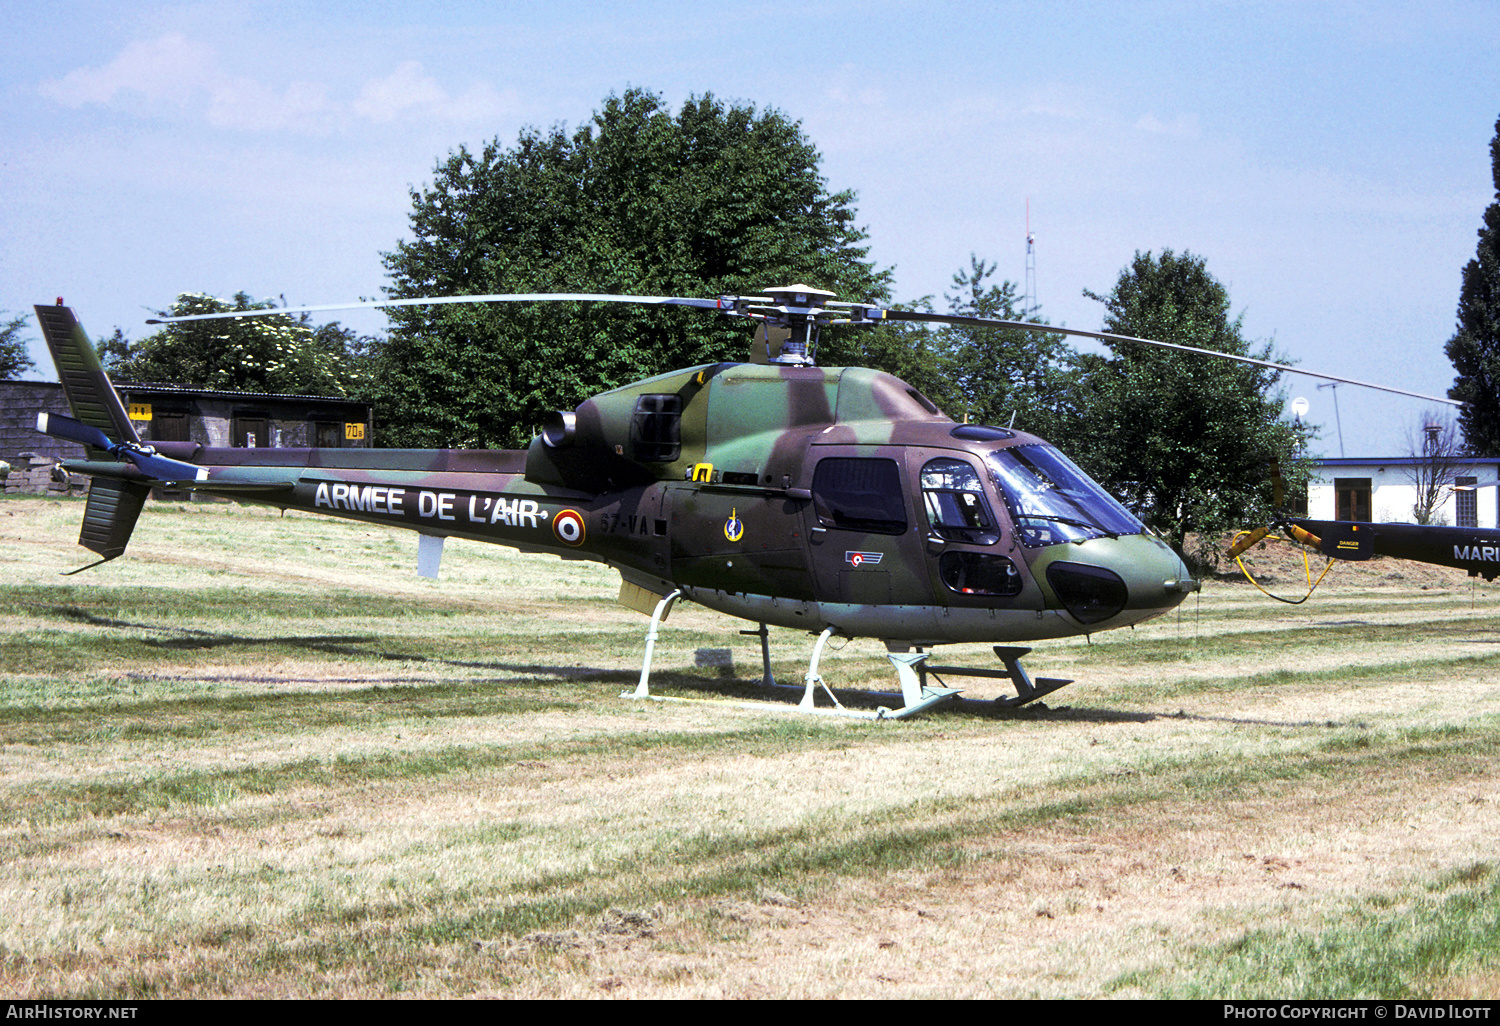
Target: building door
column 1352, row 498
column 251, row 431
column 170, row 427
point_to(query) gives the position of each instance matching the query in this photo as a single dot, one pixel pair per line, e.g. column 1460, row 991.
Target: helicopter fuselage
column 803, row 497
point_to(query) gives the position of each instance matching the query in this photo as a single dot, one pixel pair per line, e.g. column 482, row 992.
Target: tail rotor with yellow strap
column 1246, row 540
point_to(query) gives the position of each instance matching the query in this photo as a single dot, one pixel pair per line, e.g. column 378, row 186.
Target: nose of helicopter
column 1121, row 580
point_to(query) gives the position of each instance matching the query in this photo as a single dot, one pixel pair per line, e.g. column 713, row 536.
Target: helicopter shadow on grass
column 724, row 688
column 190, row 639
column 727, row 688
column 975, row 708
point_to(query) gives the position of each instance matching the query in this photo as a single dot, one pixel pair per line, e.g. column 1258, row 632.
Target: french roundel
column 568, row 526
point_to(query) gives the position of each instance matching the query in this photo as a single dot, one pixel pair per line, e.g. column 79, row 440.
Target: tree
column 1187, row 442
column 1003, row 375
column 1438, row 454
column 255, row 354
column 716, row 199
column 1475, row 347
column 13, row 356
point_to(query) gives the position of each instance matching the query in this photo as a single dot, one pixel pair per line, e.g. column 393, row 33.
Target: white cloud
column 174, row 70
column 407, row 88
column 408, row 91
column 169, row 68
column 1184, row 126
column 248, row 104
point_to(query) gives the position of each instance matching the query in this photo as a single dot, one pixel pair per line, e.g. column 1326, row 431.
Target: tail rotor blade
column 58, row 426
column 159, row 468
column 163, row 469
column 1246, row 540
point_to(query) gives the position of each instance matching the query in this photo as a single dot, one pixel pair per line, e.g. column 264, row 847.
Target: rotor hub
column 801, row 310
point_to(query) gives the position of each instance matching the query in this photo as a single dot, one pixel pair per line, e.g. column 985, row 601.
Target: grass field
column 258, row 757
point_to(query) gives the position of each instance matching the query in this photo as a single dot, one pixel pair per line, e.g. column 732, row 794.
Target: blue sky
column 1330, row 161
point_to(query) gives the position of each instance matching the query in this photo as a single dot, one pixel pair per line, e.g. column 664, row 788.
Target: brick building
column 171, row 413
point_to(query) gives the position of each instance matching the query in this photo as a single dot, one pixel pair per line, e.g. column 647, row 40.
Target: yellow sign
column 140, row 411
column 703, row 472
column 354, row 432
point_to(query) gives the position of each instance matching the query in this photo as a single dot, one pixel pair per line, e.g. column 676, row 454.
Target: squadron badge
column 734, row 528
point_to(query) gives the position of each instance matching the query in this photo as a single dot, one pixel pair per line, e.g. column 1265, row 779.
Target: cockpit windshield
column 1052, row 501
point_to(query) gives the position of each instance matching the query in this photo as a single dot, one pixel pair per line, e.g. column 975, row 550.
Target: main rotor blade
column 517, row 297
column 986, row 322
column 859, row 314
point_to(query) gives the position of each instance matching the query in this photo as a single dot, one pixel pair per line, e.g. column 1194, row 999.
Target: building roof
column 210, row 393
column 1396, row 461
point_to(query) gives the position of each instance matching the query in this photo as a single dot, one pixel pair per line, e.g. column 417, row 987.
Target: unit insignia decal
column 734, row 528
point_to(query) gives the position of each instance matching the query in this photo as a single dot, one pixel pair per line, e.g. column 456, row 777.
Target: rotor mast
column 800, row 310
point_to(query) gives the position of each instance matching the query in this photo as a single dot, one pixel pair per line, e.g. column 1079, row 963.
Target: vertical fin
column 84, row 382
column 111, row 514
column 114, row 505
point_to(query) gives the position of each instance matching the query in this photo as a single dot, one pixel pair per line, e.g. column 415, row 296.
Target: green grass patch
column 206, row 789
column 1403, row 946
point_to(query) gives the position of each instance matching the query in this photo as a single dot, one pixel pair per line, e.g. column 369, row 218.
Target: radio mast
column 1028, row 301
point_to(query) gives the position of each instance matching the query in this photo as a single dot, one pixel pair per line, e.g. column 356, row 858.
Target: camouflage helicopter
column 837, row 500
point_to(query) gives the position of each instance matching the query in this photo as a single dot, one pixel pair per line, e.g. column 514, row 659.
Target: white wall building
column 1384, row 491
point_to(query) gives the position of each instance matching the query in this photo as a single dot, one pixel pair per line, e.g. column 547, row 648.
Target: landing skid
column 912, row 670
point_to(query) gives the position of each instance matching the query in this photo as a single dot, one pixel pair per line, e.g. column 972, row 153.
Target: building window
column 170, row 427
column 328, row 434
column 1352, row 498
column 1466, row 501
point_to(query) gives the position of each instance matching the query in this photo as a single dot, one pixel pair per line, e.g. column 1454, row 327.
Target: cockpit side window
column 953, row 495
column 856, row 494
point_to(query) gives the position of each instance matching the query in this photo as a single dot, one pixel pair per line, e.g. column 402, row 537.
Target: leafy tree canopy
column 1475, row 347
column 718, row 198
column 277, row 353
column 1003, row 376
column 1187, row 442
column 13, row 356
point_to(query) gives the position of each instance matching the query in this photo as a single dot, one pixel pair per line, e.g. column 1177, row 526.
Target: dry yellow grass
column 288, row 767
